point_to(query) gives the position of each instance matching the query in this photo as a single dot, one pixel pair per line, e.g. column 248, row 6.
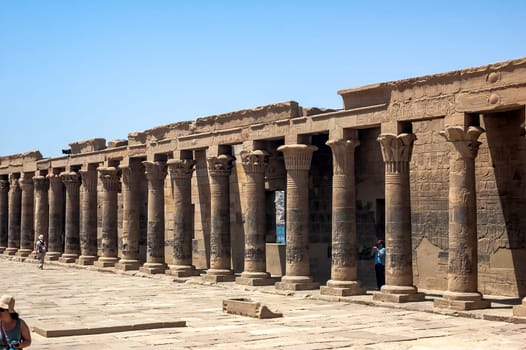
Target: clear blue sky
column 74, row 70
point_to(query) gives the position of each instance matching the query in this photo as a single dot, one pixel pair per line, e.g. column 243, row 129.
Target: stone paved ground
column 71, row 297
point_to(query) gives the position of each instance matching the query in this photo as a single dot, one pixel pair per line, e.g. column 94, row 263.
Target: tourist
column 40, row 248
column 15, row 332
column 378, row 252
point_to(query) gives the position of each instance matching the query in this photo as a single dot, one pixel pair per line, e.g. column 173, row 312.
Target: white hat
column 7, row 302
column 41, row 237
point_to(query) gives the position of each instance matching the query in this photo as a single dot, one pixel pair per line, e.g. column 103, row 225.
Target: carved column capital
column 14, row 183
column 55, row 182
column 4, row 185
column 130, row 173
column 26, row 182
column 255, row 161
column 181, row 168
column 155, row 173
column 464, row 141
column 109, row 176
column 71, row 180
column 297, row 156
column 341, row 150
column 220, row 165
column 396, row 151
column 41, row 183
column 88, row 180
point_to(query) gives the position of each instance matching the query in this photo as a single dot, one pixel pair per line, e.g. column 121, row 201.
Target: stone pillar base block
column 23, row 252
column 128, row 265
column 296, row 283
column 520, row 310
column 52, row 256
column 255, row 281
column 181, row 270
column 68, row 258
column 398, row 298
column 247, row 307
column 218, row 278
column 105, row 262
column 398, row 294
column 461, row 304
column 342, row 288
column 2, row 250
column 153, row 268
column 86, row 260
column 10, row 251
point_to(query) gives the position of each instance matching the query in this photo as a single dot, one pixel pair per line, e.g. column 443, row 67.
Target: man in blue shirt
column 378, row 252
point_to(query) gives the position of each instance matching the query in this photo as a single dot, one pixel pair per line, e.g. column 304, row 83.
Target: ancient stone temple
column 433, row 165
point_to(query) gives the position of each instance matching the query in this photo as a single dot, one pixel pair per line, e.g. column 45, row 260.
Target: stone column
column 88, row 216
column 155, row 175
column 219, row 168
column 71, row 240
column 255, row 271
column 56, row 207
column 462, row 280
column 4, row 214
column 181, row 175
column 41, row 184
column 297, row 269
column 107, row 242
column 130, row 217
column 13, row 239
column 396, row 153
column 344, row 264
column 27, row 228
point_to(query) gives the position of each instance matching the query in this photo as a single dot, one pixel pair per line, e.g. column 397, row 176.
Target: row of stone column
column 396, row 151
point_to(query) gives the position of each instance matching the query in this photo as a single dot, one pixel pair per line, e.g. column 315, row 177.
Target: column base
column 342, row 288
column 23, row 252
column 127, row 265
column 10, row 251
column 52, row 256
column 218, row 275
column 105, row 262
column 181, row 270
column 520, row 310
column 398, row 294
column 296, row 283
column 86, row 260
column 152, row 268
column 255, row 279
column 68, row 258
column 2, row 250
column 462, row 301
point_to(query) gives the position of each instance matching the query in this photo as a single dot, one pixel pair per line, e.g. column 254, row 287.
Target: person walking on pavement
column 378, row 252
column 40, row 248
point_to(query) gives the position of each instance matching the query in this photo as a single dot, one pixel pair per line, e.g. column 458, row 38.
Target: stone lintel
column 398, row 298
column 127, row 265
column 153, row 268
column 255, row 281
column 461, row 304
column 297, row 286
column 85, row 260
